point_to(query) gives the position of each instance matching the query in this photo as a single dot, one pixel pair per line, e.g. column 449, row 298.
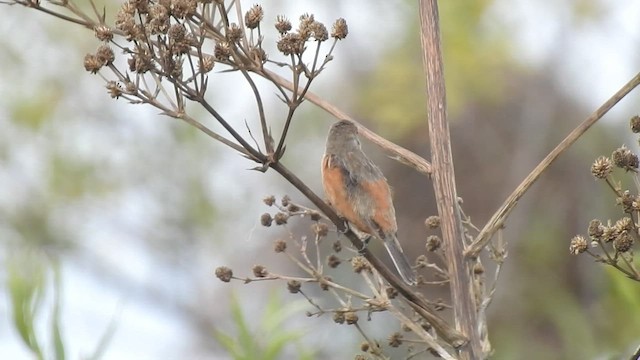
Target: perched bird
column 358, row 191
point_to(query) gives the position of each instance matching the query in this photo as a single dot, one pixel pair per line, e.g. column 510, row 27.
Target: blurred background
column 113, row 217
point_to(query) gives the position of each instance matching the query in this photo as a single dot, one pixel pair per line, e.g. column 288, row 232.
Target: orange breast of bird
column 366, row 204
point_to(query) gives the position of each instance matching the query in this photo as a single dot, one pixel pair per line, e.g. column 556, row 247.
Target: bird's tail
column 400, row 260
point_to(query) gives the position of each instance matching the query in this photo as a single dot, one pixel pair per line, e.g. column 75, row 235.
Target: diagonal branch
column 499, row 217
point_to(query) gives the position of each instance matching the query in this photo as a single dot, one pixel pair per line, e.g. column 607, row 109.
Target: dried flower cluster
column 612, row 243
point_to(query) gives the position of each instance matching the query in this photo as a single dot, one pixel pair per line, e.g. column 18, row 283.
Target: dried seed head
column 177, row 32
column 635, row 124
column 306, row 26
column 207, row 63
column 623, row 242
column 183, row 8
column 433, row 243
column 320, row 229
column 392, row 293
column 364, row 346
column 92, row 64
column 609, row 233
column 280, row 246
column 628, row 202
column 253, row 17
column 602, row 167
column 340, row 30
column 293, row 286
column 625, row 159
column 395, row 340
column 103, row 33
column 114, row 89
column 222, row 51
column 105, row 55
column 260, row 271
column 283, row 25
column 265, row 219
column 293, row 208
column 337, row 246
column 578, row 245
column 624, row 224
column 595, row 229
column 224, row 273
column 285, row 200
column 320, row 32
column 432, row 222
column 333, row 261
column 258, row 54
column 314, row 215
column 234, row 33
column 269, row 200
column 281, row 218
column 291, row 44
column 360, row 264
column 351, row 317
column 338, row 317
column 478, row 269
column 325, row 282
column 140, row 63
column 159, row 19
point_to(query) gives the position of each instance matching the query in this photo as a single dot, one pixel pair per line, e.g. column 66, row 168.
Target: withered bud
column 234, row 33
column 337, row 246
column 635, row 124
column 281, row 218
column 433, row 243
column 625, row 159
column 392, row 293
column 253, row 17
column 103, row 33
column 130, row 87
column 364, row 346
column 324, row 282
column 578, row 245
column 265, row 219
column 314, row 215
column 114, row 89
column 351, row 317
column 283, row 25
column 320, row 229
column 333, row 261
column 258, row 54
column 207, row 63
column 140, row 63
column 360, row 264
column 285, row 201
column 623, row 242
column 92, row 64
column 395, row 340
column 269, row 200
column 422, row 261
column 280, row 246
column 293, row 286
column 224, row 273
column 432, row 222
column 602, row 167
column 293, row 207
column 340, row 30
column 105, row 54
column 595, row 229
column 260, row 271
column 222, row 51
column 338, row 317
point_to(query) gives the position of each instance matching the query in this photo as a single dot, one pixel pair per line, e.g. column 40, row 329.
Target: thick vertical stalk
column 444, row 182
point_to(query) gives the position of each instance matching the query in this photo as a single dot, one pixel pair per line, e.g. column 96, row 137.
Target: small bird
column 358, row 191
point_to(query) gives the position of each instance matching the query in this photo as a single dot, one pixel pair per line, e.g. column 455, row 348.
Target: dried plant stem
column 459, row 269
column 498, row 219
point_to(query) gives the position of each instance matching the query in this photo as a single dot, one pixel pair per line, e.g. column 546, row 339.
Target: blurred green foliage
column 267, row 338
